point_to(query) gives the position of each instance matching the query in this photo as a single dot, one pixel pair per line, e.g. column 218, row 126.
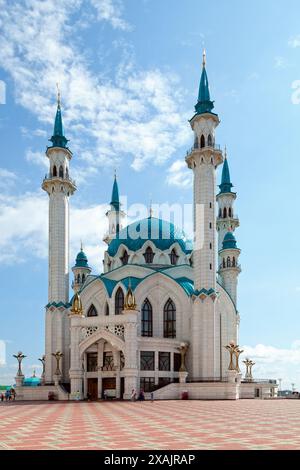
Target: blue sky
column 129, row 72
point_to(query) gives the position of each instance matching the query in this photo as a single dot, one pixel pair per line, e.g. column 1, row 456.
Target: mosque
column 163, row 314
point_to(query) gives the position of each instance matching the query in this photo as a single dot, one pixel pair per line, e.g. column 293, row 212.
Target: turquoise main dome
column 161, row 233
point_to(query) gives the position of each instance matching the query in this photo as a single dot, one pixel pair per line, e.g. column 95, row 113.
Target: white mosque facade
column 161, row 314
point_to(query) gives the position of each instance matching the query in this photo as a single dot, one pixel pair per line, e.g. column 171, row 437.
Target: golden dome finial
column 150, row 209
column 204, row 58
column 58, row 95
column 76, row 308
column 129, row 303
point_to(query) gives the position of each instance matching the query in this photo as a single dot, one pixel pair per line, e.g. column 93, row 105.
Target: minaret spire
column 115, row 200
column 204, row 104
column 226, row 185
column 115, row 214
column 58, row 139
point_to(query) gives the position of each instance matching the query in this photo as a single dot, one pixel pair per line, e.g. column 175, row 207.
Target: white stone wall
column 199, row 391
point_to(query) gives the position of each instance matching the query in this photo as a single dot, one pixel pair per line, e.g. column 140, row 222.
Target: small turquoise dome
column 229, row 241
column 81, row 260
column 32, row 382
column 161, row 233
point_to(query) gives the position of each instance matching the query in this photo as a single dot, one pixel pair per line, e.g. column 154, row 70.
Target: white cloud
column 135, row 116
column 280, row 62
column 294, row 41
column 295, row 98
column 38, row 158
column 275, row 363
column 24, row 229
column 179, row 175
column 111, row 11
column 7, row 179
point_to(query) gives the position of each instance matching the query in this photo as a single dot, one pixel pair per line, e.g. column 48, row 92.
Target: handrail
column 197, row 147
column 63, row 178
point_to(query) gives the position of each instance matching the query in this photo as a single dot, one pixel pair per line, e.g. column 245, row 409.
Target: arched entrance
column 102, row 356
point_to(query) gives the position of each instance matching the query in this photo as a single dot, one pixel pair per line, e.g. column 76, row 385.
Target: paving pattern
column 163, row 425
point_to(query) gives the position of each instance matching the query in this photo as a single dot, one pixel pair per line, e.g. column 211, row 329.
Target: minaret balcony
column 234, row 220
column 236, row 267
column 59, row 179
column 212, row 146
column 207, row 152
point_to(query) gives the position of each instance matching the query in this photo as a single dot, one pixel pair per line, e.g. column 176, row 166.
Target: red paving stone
column 165, row 425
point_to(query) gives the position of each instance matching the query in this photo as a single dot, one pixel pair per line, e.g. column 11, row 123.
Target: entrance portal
column 92, row 388
column 109, row 385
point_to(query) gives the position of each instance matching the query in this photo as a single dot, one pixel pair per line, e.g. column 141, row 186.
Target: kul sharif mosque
column 163, row 316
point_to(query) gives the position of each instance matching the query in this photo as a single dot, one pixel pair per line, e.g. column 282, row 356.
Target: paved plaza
column 243, row 424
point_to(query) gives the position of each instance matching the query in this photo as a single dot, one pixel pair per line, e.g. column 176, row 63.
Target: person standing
column 133, row 395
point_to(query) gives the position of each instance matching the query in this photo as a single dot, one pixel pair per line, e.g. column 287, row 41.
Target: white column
column 204, row 225
column 76, row 371
column 131, row 353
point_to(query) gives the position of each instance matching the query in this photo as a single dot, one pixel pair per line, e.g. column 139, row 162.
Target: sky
column 128, row 71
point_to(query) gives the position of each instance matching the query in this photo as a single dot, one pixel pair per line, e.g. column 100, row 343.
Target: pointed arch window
column 233, row 262
column 224, row 263
column 67, row 173
column 209, row 140
column 54, row 171
column 61, row 172
column 169, row 319
column 92, row 312
column 119, row 302
column 196, row 142
column 83, row 278
column 229, row 212
column 224, row 213
column 173, row 257
column 228, row 262
column 149, row 255
column 146, row 319
column 106, row 311
column 124, row 258
column 202, row 141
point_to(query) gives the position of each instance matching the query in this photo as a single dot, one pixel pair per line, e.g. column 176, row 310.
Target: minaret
column 59, row 187
column 203, row 159
column 115, row 215
column 229, row 267
column 81, row 270
column 226, row 220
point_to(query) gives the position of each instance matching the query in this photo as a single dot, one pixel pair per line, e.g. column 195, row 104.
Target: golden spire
column 150, row 209
column 76, row 308
column 58, row 95
column 81, row 248
column 129, row 303
column 204, row 58
column 225, row 152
